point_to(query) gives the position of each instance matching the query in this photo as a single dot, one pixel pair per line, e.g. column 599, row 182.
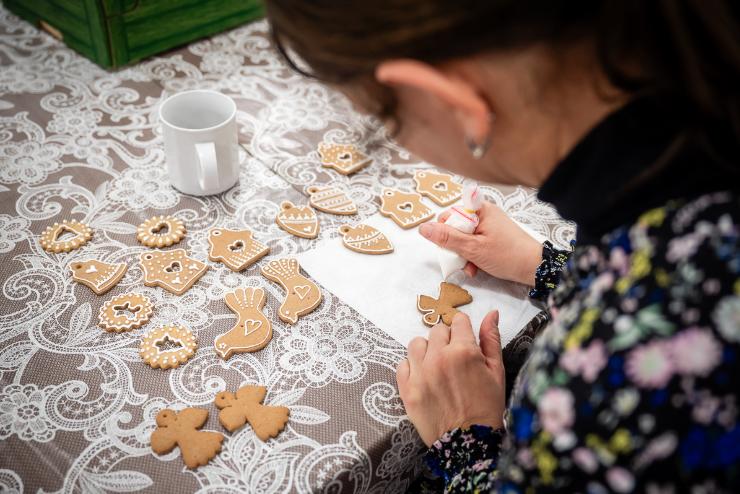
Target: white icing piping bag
column 466, row 220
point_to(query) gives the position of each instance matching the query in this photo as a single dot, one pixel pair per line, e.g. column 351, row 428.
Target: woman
column 626, row 116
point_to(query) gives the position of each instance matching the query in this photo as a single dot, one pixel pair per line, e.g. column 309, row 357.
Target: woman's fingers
column 461, row 330
column 449, row 238
column 402, row 376
column 490, row 338
column 417, row 350
column 439, row 336
column 443, row 216
column 470, row 269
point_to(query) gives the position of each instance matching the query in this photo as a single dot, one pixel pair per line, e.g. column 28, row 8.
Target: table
column 77, row 405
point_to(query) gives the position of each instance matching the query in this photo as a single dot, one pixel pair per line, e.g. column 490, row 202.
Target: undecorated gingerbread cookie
column 172, row 270
column 405, row 208
column 125, row 312
column 98, row 276
column 237, row 249
column 439, row 187
column 181, row 429
column 53, row 238
column 331, row 200
column 252, row 331
column 167, row 347
column 246, row 406
column 300, row 221
column 161, row 231
column 302, row 295
column 365, row 239
column 344, row 158
column 443, row 307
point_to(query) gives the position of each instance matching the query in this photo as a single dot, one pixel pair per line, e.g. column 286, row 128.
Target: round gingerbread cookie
column 125, row 312
column 51, row 242
column 152, row 352
column 161, row 231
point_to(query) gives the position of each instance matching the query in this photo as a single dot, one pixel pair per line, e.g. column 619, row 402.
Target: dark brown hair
column 687, row 51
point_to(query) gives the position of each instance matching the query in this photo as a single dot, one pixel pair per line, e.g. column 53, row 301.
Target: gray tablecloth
column 77, row 404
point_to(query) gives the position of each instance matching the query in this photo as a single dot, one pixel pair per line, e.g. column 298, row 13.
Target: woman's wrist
column 530, row 260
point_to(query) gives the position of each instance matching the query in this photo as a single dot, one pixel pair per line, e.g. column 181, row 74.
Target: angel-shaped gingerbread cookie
column 246, row 406
column 181, row 429
column 443, row 307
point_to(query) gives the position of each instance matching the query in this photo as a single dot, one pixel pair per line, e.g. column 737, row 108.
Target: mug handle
column 208, row 169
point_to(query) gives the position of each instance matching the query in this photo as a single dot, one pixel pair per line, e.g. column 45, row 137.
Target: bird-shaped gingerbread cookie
column 246, row 406
column 181, row 429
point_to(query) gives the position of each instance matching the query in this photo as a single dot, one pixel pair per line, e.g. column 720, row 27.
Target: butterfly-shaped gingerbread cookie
column 443, row 308
column 181, row 429
column 246, row 406
column 237, row 249
column 344, row 158
column 172, row 270
column 439, row 187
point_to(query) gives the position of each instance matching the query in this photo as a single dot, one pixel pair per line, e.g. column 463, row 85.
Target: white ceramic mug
column 200, row 141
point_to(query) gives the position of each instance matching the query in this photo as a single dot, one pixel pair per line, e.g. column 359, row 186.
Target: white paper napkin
column 383, row 288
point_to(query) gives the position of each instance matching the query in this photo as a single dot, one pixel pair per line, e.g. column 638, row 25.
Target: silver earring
column 478, row 149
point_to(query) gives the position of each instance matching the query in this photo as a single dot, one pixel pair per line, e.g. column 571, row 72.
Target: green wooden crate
column 113, row 33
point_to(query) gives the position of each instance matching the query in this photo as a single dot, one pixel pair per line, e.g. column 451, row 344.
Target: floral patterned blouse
column 634, row 386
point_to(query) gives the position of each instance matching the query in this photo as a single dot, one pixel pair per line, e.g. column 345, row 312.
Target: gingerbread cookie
column 245, row 406
column 301, row 221
column 331, row 200
column 302, row 294
column 439, row 187
column 365, row 239
column 181, row 429
column 237, row 249
column 252, row 331
column 161, row 231
column 405, row 208
column 125, row 312
column 344, row 158
column 153, row 349
column 51, row 242
column 172, row 270
column 98, row 276
column 443, row 307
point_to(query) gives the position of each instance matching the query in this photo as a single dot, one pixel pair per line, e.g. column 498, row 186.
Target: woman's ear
column 469, row 108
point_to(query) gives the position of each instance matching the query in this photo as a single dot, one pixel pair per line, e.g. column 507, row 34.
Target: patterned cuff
column 461, row 448
column 547, row 276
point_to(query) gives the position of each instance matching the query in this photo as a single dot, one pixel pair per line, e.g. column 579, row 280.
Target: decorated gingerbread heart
column 300, row 221
column 365, row 239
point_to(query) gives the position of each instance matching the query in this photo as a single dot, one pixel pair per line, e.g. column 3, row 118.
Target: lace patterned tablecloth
column 77, row 405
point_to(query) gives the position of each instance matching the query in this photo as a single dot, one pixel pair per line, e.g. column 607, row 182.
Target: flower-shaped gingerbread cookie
column 52, row 241
column 160, row 231
column 125, row 312
column 153, row 349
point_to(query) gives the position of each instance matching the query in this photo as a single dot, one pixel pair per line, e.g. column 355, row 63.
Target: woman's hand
column 499, row 246
column 449, row 381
